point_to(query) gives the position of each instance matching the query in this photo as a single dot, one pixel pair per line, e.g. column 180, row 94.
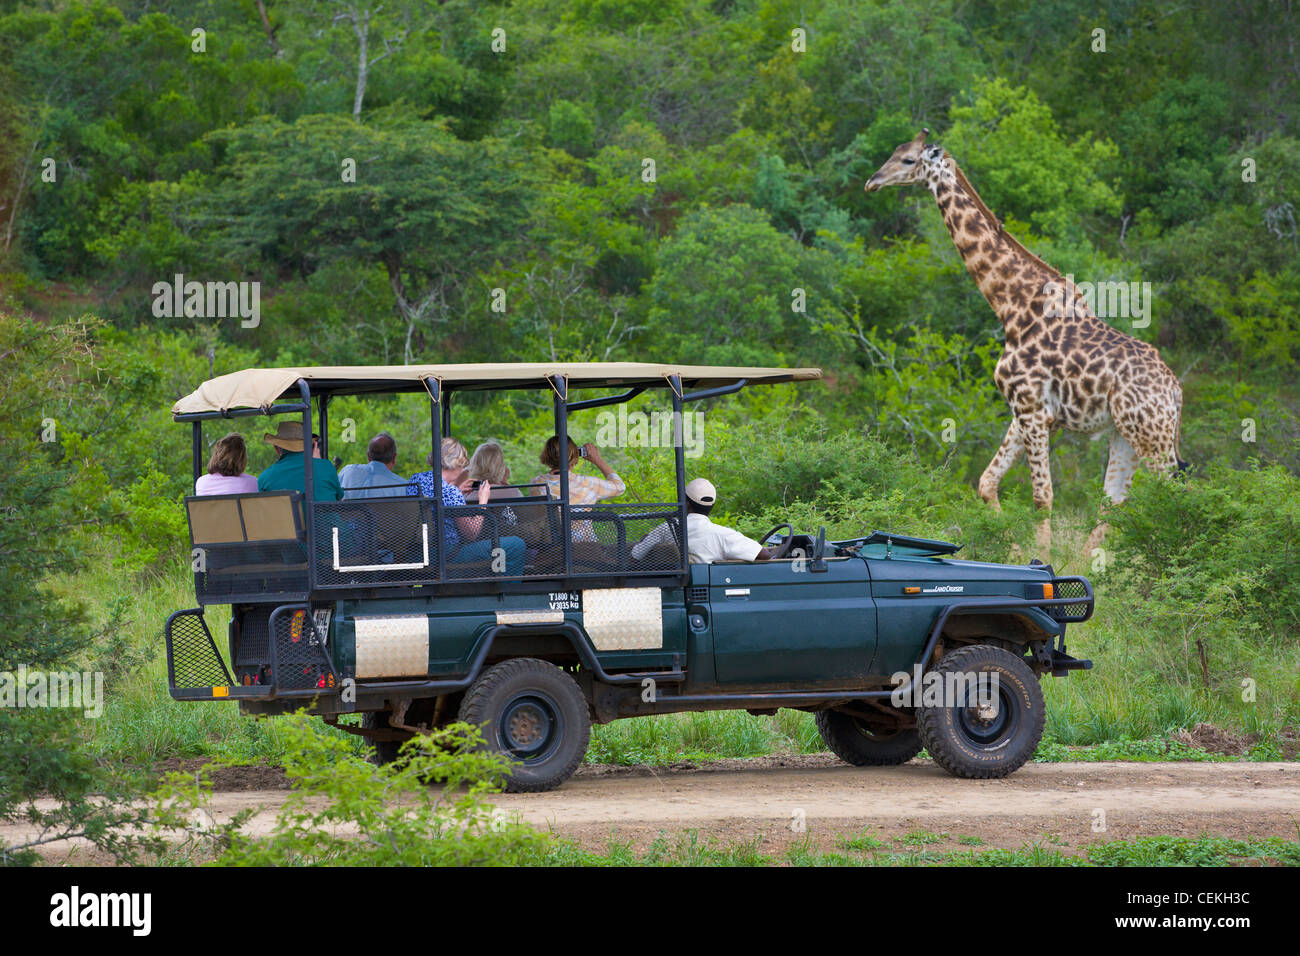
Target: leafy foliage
column 427, row 808
column 45, row 499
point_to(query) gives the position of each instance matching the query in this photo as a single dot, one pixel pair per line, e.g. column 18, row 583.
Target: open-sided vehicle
column 355, row 606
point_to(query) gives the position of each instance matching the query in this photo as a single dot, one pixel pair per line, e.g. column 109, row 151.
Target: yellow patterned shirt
column 584, row 490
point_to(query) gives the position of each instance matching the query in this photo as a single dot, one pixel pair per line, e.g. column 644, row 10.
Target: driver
column 709, row 542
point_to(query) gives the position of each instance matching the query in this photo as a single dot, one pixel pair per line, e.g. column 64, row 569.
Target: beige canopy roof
column 262, row 387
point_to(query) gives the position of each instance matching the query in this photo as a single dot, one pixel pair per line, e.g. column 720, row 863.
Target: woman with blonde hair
column 226, row 475
column 461, row 531
column 488, row 464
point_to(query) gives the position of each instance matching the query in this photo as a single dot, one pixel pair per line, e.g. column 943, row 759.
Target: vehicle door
column 781, row 622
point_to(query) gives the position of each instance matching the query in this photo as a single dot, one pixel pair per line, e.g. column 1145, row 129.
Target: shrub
column 1224, row 537
column 424, row 809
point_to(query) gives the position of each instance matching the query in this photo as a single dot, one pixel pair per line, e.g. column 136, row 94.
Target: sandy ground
column 783, row 799
column 1056, row 804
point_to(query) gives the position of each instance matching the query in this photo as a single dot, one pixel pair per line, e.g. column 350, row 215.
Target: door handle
column 737, row 592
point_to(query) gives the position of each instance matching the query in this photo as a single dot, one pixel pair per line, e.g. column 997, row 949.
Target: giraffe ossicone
column 1061, row 366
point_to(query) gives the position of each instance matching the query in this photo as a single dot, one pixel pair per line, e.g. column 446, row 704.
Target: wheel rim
column 986, row 730
column 530, row 727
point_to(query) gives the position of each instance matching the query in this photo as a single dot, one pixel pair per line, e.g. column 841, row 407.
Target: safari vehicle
column 355, row 606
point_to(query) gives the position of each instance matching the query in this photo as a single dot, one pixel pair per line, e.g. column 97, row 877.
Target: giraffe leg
column 1121, row 467
column 1147, row 435
column 1012, row 445
column 1036, row 434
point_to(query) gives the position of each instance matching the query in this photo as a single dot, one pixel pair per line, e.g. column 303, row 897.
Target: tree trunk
column 362, row 27
column 270, row 30
column 413, row 314
column 18, row 193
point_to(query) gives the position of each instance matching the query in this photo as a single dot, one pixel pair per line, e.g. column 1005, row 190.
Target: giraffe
column 1061, row 366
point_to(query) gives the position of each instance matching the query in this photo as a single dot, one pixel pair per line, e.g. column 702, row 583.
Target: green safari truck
column 358, row 607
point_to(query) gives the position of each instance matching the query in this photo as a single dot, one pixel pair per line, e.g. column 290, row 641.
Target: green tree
column 868, row 59
column 396, row 191
column 731, row 290
column 571, row 128
column 1173, row 148
column 1009, row 144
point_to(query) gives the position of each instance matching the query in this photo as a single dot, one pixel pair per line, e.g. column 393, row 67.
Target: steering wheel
column 786, row 545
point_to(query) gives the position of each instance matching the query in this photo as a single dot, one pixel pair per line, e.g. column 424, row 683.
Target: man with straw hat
column 286, row 473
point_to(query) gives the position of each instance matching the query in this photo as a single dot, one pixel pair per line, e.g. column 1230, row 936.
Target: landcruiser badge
column 945, row 589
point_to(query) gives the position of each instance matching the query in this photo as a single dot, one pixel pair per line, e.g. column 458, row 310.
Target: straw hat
column 288, row 435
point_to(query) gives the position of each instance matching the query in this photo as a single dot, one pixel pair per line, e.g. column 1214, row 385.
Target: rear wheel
column 534, row 714
column 995, row 721
column 864, row 744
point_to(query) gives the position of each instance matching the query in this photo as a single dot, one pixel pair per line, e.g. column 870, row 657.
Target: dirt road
column 1063, row 804
column 1066, row 806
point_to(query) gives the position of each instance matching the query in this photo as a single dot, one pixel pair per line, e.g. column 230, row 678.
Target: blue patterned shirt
column 425, row 484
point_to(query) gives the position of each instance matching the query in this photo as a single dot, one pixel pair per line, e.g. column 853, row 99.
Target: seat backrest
column 534, row 522
column 398, row 524
column 241, row 519
column 269, row 518
column 214, row 521
column 660, row 557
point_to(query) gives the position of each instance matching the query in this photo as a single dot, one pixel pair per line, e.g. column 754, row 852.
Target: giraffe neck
column 1009, row 276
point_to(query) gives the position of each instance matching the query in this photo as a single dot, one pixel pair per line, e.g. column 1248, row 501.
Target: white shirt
column 708, row 542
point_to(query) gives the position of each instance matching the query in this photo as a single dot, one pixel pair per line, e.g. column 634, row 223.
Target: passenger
column 708, row 542
column 286, row 472
column 226, row 475
column 375, row 479
column 583, row 489
column 488, row 464
column 464, row 528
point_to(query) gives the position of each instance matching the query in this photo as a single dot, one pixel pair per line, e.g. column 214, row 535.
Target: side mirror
column 818, row 562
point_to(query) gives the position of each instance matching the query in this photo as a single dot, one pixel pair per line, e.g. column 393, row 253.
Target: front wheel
column 991, row 717
column 534, row 714
column 858, row 742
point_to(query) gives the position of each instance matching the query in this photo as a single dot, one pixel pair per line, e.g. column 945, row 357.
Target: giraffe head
column 913, row 162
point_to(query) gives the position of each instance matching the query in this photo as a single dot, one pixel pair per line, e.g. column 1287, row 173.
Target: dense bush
column 1223, row 543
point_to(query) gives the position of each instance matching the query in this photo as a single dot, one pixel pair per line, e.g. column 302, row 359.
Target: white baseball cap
column 702, row 492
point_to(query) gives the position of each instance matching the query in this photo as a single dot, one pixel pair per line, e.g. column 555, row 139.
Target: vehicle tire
column 532, row 713
column 381, row 751
column 853, row 740
column 977, row 745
